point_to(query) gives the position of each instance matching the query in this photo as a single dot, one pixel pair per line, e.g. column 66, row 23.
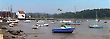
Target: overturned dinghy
column 63, row 30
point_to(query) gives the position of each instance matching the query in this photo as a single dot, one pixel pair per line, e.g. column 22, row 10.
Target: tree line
column 84, row 14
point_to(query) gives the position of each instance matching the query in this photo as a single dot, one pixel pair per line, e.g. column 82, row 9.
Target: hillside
column 101, row 13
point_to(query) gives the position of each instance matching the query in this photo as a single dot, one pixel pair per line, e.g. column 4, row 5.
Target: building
column 21, row 15
column 4, row 14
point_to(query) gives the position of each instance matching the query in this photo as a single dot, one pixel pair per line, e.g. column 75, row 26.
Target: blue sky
column 51, row 6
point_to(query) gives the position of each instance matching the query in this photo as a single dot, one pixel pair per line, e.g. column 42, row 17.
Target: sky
column 51, row 6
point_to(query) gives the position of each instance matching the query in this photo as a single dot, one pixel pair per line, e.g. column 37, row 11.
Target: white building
column 21, row 15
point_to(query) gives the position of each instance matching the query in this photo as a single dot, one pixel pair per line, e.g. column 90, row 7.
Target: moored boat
column 95, row 26
column 73, row 23
column 66, row 29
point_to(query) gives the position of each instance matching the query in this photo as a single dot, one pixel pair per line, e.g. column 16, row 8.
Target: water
column 82, row 31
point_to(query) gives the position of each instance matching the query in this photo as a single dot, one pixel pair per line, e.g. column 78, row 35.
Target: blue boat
column 63, row 30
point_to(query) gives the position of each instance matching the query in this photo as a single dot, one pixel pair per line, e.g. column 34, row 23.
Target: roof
column 21, row 12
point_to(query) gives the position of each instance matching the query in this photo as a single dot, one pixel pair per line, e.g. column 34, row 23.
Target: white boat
column 46, row 24
column 27, row 21
column 95, row 26
column 73, row 23
column 12, row 24
column 65, row 21
column 1, row 20
column 42, row 25
column 35, row 27
column 10, row 21
column 40, row 21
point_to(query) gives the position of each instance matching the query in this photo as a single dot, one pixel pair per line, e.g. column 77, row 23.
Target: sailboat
column 96, row 25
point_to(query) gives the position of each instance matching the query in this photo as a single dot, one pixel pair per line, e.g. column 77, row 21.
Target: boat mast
column 75, row 9
column 30, row 15
column 11, row 9
column 96, row 16
column 75, row 12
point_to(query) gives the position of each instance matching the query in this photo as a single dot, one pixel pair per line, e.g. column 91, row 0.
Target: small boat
column 27, row 21
column 65, row 21
column 12, row 20
column 13, row 24
column 105, row 22
column 66, row 29
column 46, row 24
column 42, row 25
column 35, row 27
column 95, row 26
column 73, row 23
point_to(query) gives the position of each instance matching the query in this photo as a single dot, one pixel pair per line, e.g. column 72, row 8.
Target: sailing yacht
column 96, row 25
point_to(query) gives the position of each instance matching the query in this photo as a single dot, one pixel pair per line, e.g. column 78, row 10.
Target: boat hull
column 72, row 23
column 95, row 27
column 69, row 30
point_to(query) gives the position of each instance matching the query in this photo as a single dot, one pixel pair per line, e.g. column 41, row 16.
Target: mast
column 75, row 9
column 75, row 12
column 96, row 16
column 11, row 10
column 30, row 14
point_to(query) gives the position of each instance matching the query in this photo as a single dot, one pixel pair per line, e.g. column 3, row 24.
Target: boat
column 27, row 21
column 105, row 22
column 66, row 29
column 35, row 27
column 42, row 25
column 65, row 21
column 13, row 24
column 46, row 24
column 12, row 21
column 72, row 23
column 95, row 26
